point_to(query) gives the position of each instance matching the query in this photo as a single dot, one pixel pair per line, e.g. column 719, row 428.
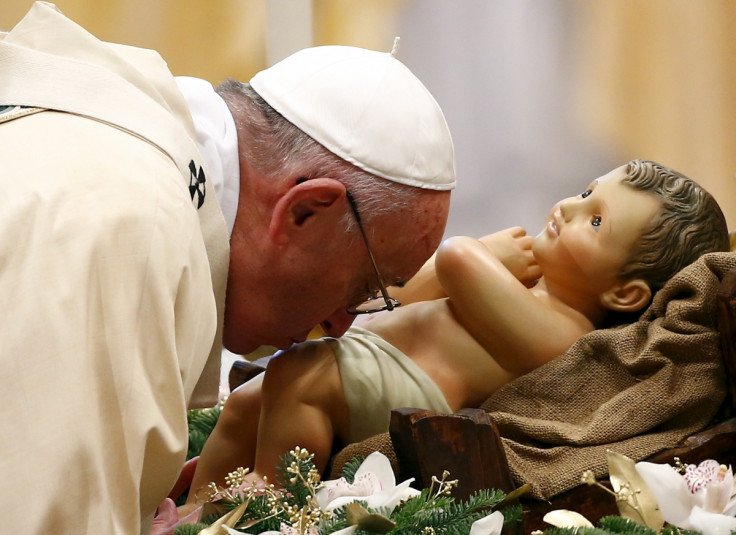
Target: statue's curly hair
column 689, row 224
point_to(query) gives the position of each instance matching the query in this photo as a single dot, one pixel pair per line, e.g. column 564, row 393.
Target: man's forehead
column 405, row 239
column 396, row 266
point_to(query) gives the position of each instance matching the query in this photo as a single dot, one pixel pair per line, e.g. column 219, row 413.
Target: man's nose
column 337, row 323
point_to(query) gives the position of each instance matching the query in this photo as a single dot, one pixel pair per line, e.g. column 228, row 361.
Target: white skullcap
column 368, row 108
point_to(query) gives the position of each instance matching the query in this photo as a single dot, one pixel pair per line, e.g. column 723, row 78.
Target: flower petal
column 488, row 525
column 339, row 502
column 342, row 492
column 730, row 509
column 393, row 496
column 670, row 490
column 718, row 491
column 562, row 518
column 377, row 463
column 330, row 490
column 374, row 483
column 710, row 523
column 373, row 475
column 700, row 476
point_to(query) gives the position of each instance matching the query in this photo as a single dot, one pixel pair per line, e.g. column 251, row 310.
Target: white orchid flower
column 374, row 484
column 488, row 525
column 701, row 499
column 563, row 518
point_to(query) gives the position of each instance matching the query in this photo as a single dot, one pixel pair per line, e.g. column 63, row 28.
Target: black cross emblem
column 196, row 183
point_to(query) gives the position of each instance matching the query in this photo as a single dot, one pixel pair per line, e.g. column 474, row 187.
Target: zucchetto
column 368, row 108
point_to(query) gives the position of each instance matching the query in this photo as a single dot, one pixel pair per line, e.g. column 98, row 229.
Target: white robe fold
column 111, row 281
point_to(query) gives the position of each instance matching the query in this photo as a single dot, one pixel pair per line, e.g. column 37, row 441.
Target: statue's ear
column 629, row 296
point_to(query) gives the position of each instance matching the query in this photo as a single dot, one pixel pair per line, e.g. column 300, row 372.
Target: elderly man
column 146, row 219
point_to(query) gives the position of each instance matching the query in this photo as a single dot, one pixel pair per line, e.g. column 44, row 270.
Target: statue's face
column 589, row 238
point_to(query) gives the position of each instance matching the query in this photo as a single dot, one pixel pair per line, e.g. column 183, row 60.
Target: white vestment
column 113, row 265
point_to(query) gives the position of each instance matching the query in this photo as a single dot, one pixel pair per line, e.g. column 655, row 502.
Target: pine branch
column 672, row 530
column 442, row 513
column 201, row 423
column 298, row 475
column 576, row 531
column 189, row 529
column 336, row 522
column 349, row 469
column 618, row 524
column 513, row 514
column 485, row 498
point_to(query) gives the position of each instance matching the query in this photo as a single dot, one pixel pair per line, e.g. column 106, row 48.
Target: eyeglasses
column 376, row 302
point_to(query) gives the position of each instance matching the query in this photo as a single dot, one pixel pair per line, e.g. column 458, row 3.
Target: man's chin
column 289, row 341
column 242, row 346
column 239, row 345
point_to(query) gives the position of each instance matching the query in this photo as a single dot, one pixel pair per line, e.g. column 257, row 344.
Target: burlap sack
column 636, row 389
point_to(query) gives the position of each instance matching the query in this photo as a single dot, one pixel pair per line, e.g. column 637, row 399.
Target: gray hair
column 277, row 148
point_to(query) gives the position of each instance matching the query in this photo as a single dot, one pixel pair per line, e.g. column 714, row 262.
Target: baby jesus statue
column 479, row 314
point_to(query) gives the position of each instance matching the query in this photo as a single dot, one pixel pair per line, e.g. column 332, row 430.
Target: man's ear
column 307, row 204
column 629, row 296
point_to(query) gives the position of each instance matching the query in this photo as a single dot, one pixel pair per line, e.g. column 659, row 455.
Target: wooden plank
column 466, row 444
